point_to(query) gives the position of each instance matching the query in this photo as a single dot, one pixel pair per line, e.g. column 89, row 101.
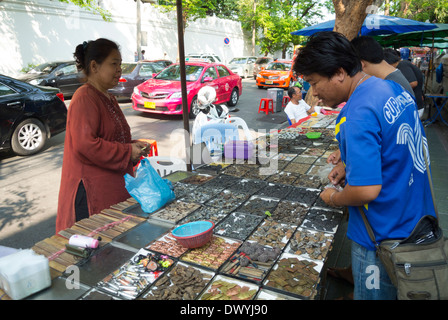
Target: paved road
column 29, row 186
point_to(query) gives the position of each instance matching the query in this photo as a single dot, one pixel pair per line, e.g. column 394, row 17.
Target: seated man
column 297, row 108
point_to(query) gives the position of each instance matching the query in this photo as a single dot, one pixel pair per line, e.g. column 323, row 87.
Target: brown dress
column 97, row 151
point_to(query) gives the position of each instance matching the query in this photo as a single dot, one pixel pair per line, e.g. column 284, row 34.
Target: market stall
column 271, row 239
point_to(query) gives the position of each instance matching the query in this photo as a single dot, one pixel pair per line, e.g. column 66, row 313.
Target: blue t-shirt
column 380, row 138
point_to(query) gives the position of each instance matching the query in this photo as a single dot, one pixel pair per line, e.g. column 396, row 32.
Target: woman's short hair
column 94, row 50
column 325, row 53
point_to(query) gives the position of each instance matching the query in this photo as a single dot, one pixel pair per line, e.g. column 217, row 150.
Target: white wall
column 38, row 31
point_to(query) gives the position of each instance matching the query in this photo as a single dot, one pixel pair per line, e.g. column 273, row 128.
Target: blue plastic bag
column 148, row 188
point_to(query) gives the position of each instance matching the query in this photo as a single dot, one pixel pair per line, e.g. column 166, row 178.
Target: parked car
column 134, row 73
column 162, row 94
column 260, row 64
column 29, row 115
column 207, row 57
column 60, row 74
column 276, row 74
column 242, row 66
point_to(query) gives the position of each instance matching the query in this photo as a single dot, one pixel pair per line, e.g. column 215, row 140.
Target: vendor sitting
column 297, row 108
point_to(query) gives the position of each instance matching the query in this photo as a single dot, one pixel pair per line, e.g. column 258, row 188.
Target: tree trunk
column 350, row 15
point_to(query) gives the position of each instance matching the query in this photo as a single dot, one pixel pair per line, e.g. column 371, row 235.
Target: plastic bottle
column 83, row 241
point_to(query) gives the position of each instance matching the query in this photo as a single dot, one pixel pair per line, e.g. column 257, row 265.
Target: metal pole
column 139, row 32
column 183, row 82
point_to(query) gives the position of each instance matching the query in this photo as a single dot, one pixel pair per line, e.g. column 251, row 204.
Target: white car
column 206, row 57
column 243, row 66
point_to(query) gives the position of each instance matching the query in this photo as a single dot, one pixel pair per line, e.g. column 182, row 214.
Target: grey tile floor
column 437, row 135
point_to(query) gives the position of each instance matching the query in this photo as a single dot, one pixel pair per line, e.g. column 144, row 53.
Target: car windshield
column 44, row 68
column 263, row 60
column 238, row 61
column 192, row 72
column 127, row 67
column 279, row 66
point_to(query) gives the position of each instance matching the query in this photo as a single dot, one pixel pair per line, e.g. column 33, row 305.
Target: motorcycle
column 209, row 112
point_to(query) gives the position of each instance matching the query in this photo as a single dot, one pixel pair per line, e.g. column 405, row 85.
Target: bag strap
column 363, row 215
column 430, row 180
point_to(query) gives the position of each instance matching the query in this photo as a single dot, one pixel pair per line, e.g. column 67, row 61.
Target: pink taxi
column 162, row 93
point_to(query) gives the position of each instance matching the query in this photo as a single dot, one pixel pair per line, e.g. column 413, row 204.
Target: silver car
column 242, row 66
column 260, row 64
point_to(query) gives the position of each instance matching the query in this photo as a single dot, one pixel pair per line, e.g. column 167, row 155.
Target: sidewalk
column 437, row 135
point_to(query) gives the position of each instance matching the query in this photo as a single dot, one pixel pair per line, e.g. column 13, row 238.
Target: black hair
column 291, row 91
column 391, row 55
column 368, row 49
column 325, row 53
column 94, row 50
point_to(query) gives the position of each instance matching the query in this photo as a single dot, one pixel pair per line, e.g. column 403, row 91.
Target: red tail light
column 122, row 80
column 60, row 96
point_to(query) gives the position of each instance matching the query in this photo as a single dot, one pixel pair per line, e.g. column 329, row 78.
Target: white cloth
column 297, row 111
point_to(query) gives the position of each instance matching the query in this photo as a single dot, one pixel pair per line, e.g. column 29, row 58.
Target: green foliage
column 421, row 10
column 28, row 67
column 92, row 6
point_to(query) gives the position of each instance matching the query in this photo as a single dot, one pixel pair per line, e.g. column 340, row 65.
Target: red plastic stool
column 266, row 105
column 285, row 101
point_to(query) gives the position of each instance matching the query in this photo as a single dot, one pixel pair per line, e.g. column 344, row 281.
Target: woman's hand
column 139, row 149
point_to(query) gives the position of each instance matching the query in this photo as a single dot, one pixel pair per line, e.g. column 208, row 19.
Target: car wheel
column 194, row 108
column 29, row 137
column 234, row 96
column 260, row 87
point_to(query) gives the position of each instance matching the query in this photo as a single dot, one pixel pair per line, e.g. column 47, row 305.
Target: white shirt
column 297, row 111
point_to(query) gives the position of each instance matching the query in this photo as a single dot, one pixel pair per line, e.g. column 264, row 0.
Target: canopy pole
column 183, row 82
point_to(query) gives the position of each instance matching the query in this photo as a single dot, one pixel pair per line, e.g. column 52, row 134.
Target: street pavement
column 29, row 186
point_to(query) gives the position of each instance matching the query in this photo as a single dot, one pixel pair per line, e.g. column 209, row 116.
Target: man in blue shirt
column 381, row 141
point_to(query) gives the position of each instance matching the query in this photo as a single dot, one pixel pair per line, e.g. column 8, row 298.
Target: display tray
column 168, row 245
column 282, row 177
column 303, row 195
column 227, row 199
column 213, row 214
column 322, row 219
column 198, row 179
column 290, row 212
column 221, row 181
column 141, row 235
column 136, row 210
column 174, row 212
column 310, row 244
column 248, row 186
column 102, row 263
column 95, row 294
column 251, row 262
column 275, row 190
column 258, row 205
column 182, row 282
column 266, row 294
column 272, row 233
column 182, row 189
column 238, row 225
column 213, row 254
column 178, row 176
column 201, row 194
column 226, row 288
column 58, row 290
column 136, row 275
column 294, row 275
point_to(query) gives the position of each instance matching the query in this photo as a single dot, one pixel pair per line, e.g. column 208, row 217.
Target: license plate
column 269, row 82
column 149, row 105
